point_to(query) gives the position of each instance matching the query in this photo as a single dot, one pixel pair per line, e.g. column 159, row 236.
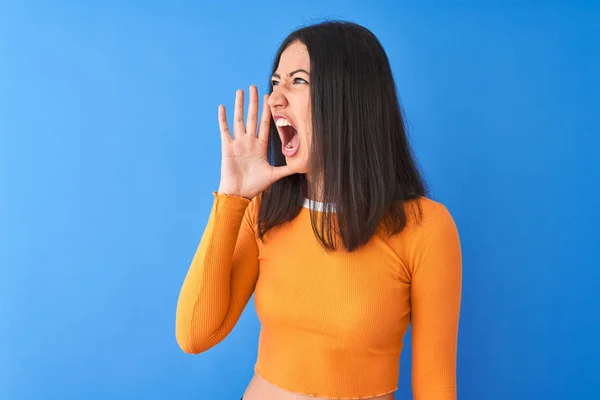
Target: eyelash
column 295, row 79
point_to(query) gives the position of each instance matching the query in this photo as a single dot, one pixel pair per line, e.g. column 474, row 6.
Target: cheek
column 306, row 112
column 308, row 129
column 307, row 137
column 306, row 148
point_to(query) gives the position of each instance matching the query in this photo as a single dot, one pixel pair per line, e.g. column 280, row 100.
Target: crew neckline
column 318, row 206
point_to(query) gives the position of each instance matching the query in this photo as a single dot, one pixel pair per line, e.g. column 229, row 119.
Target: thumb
column 281, row 172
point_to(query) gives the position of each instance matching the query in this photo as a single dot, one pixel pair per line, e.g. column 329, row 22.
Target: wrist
column 234, row 193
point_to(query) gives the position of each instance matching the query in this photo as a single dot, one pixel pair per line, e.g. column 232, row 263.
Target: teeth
column 282, row 122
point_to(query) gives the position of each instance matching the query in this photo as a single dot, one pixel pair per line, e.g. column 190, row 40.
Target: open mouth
column 289, row 137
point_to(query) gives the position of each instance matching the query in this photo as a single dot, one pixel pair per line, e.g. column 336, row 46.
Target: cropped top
column 332, row 323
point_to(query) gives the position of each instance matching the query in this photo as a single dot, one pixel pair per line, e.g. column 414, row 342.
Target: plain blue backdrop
column 110, row 151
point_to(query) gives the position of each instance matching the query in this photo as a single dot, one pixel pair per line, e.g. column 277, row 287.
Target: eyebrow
column 276, row 75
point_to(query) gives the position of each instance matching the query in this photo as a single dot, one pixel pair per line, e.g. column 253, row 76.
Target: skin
column 291, row 98
column 261, row 389
column 245, row 170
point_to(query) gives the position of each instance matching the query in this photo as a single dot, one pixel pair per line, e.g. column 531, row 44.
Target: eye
column 274, row 82
column 300, row 79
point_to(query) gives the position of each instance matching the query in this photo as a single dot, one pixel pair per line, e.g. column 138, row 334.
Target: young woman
column 324, row 217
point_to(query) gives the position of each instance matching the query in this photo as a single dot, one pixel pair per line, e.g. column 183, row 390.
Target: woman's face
column 290, row 105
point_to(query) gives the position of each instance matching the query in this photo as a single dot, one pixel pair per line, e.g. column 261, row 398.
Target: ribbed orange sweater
column 332, row 324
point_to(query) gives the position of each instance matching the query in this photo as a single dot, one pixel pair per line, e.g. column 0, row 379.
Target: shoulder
column 430, row 226
column 434, row 242
column 425, row 214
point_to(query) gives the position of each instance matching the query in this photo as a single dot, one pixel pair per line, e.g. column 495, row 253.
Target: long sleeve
column 435, row 306
column 221, row 277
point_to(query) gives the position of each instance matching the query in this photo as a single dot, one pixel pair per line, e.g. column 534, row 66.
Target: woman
column 333, row 233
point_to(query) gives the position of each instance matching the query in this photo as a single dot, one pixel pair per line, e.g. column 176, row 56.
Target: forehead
column 294, row 56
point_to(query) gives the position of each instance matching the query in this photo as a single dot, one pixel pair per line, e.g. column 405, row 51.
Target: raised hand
column 245, row 169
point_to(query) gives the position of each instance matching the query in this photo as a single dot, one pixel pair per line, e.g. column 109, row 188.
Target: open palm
column 245, row 169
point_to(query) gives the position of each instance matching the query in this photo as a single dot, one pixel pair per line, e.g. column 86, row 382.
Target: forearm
column 205, row 295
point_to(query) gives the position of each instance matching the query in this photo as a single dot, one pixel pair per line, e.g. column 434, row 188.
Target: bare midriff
column 261, row 389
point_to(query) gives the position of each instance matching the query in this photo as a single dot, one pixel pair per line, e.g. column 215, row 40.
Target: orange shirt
column 332, row 324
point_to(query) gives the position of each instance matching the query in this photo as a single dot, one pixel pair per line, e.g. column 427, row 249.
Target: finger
column 238, row 114
column 252, row 111
column 265, row 120
column 225, row 134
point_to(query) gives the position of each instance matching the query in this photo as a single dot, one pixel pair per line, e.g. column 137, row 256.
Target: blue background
column 110, row 151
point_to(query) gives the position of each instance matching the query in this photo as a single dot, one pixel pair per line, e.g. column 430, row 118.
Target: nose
column 278, row 98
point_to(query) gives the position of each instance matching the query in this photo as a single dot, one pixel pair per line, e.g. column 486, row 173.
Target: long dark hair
column 359, row 148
